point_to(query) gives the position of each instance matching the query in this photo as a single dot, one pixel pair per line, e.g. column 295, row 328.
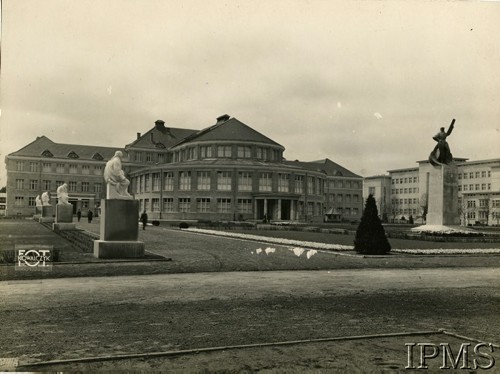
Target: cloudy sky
column 364, row 83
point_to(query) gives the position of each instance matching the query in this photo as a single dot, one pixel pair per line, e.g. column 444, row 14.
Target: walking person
column 79, row 215
column 144, row 219
column 89, row 216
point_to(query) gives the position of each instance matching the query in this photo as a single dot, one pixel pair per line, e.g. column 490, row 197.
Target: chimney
column 138, row 135
column 222, row 119
column 160, row 125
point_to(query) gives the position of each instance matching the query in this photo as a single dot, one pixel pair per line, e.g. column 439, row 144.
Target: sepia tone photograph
column 249, row 186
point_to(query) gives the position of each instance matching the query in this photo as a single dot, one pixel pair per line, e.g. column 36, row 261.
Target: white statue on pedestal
column 116, row 183
column 45, row 199
column 62, row 194
column 38, row 201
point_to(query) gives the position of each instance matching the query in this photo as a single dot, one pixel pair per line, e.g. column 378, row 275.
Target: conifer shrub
column 370, row 236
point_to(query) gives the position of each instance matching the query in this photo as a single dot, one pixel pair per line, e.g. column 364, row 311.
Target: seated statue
column 441, row 154
column 116, row 181
column 62, row 194
column 45, row 199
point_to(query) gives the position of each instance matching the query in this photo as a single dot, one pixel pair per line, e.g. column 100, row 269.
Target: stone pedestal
column 443, row 195
column 119, row 230
column 47, row 214
column 64, row 213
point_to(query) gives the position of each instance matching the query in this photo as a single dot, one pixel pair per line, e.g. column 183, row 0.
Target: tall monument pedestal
column 119, row 230
column 442, row 192
column 64, row 218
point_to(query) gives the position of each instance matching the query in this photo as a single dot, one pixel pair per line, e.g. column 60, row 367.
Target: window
column 489, row 186
column 203, row 181
column 483, row 203
column 97, row 187
column 310, row 209
column 466, row 188
column 224, row 205
column 483, row 186
column 138, row 156
column 192, row 153
column 244, row 181
column 156, row 183
column 31, row 201
column 299, row 184
column 155, row 205
column 466, row 175
column 72, row 169
column 33, row 184
column 203, row 205
column 98, row 170
column 20, row 166
column 46, row 185
column 149, row 157
column 224, row 151
column 85, row 186
column 283, row 182
column 168, row 181
column 340, row 198
column 371, row 191
column 34, row 167
column 161, row 158
column 477, row 186
column 478, row 174
column 72, row 186
column 244, row 152
column 471, row 204
column 146, row 183
column 355, row 198
column 459, row 188
column 265, row 182
column 168, row 204
column 184, row 204
column 489, row 173
column 19, row 184
column 184, row 180
column 460, row 176
column 310, row 185
column 224, row 180
column 19, row 201
column 46, row 167
column 146, row 205
column 471, row 175
column 206, row 151
column 483, row 174
column 86, row 169
column 245, row 205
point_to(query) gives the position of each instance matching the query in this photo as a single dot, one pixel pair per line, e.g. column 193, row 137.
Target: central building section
column 227, row 171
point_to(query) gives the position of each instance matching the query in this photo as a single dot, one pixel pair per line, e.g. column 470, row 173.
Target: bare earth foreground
column 87, row 317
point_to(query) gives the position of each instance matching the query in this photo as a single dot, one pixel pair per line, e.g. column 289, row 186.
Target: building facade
column 379, row 186
column 227, row 171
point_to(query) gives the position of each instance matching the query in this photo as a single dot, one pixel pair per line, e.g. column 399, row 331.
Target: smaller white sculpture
column 116, row 182
column 45, row 199
column 62, row 194
column 38, row 201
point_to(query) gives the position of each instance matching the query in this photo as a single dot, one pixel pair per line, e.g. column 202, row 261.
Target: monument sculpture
column 38, row 207
column 46, row 208
column 62, row 194
column 116, row 182
column 46, row 199
column 438, row 185
column 441, row 153
column 38, row 201
column 119, row 230
column 64, row 210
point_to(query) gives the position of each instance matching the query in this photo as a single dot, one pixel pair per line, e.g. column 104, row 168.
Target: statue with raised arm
column 116, row 182
column 441, row 154
column 62, row 194
column 45, row 199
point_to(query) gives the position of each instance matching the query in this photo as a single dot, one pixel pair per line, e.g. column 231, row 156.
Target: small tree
column 370, row 235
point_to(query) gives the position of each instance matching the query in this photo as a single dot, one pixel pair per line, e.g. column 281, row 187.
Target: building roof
column 229, row 129
column 161, row 137
column 44, row 147
column 326, row 166
column 379, row 177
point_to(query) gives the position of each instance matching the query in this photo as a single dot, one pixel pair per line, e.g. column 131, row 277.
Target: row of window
column 483, row 203
column 344, row 184
column 404, row 180
column 396, row 191
column 48, row 167
column 340, row 198
column 477, row 187
column 475, row 174
column 404, row 201
column 47, row 185
column 224, row 182
column 405, row 211
column 210, row 151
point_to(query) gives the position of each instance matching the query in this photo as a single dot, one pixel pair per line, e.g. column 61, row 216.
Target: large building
column 227, row 171
column 478, row 192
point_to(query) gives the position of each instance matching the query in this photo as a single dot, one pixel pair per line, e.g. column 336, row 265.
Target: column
column 279, row 210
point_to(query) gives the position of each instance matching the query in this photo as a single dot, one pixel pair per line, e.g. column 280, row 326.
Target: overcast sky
column 364, row 83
